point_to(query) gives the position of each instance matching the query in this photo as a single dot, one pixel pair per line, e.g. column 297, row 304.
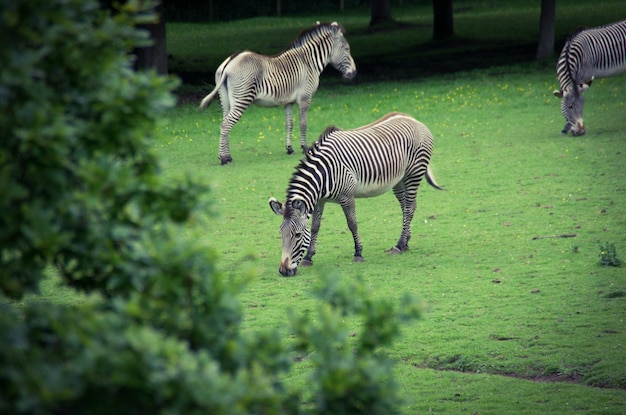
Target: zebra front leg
column 350, row 212
column 315, row 228
column 289, row 126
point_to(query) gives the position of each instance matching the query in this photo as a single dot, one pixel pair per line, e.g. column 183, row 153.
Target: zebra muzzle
column 285, row 271
column 349, row 75
column 579, row 130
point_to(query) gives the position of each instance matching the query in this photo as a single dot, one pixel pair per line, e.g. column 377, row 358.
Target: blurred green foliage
column 81, row 192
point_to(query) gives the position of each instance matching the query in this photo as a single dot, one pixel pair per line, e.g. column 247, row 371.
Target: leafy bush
column 608, row 255
column 82, row 192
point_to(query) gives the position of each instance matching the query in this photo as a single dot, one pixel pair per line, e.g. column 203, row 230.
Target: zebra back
column 375, row 156
column 318, row 31
column 588, row 53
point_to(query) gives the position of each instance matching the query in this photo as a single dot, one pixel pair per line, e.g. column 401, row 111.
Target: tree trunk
column 443, row 22
column 155, row 56
column 545, row 44
column 381, row 11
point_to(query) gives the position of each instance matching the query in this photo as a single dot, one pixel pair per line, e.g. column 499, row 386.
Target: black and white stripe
column 392, row 153
column 288, row 78
column 588, row 53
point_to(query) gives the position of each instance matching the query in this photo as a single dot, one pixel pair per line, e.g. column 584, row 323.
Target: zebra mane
column 568, row 67
column 318, row 30
column 301, row 189
column 316, row 145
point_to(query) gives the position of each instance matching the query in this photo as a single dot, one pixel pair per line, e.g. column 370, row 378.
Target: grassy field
column 520, row 316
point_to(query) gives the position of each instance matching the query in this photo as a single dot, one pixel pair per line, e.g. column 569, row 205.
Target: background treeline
column 219, row 10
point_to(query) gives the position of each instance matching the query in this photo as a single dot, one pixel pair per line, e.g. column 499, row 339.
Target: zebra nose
column 349, row 75
column 285, row 271
column 580, row 129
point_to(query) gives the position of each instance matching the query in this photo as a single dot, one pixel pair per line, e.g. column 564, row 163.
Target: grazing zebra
column 391, row 153
column 290, row 77
column 588, row 53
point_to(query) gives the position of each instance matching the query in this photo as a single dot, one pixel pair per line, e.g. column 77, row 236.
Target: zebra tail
column 430, row 179
column 206, row 101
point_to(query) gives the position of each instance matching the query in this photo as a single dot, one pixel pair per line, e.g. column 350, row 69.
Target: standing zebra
column 391, row 153
column 290, row 77
column 588, row 53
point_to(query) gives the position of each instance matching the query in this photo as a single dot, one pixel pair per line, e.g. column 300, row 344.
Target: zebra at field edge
column 288, row 78
column 587, row 53
column 391, row 153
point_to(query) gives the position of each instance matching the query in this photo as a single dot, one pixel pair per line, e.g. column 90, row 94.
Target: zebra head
column 340, row 57
column 295, row 233
column 572, row 103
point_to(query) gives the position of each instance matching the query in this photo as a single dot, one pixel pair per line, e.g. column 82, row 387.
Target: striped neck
column 306, row 184
column 313, row 179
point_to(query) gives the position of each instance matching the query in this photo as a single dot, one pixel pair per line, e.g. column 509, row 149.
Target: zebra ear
column 558, row 93
column 584, row 86
column 299, row 206
column 276, row 206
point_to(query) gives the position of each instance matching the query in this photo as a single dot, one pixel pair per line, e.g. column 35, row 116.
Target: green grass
column 519, row 318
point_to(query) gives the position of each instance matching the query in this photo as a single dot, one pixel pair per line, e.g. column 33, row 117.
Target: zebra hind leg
column 233, row 109
column 408, row 204
column 228, row 122
column 289, row 127
column 303, row 108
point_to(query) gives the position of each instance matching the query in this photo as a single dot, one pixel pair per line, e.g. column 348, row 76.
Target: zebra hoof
column 358, row 259
column 226, row 159
column 395, row 251
column 289, row 150
column 306, row 263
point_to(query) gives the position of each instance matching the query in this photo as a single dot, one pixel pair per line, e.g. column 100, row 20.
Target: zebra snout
column 287, row 272
column 349, row 75
column 579, row 130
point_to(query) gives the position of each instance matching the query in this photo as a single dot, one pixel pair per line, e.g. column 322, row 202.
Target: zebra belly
column 374, row 188
column 264, row 99
column 603, row 73
column 270, row 102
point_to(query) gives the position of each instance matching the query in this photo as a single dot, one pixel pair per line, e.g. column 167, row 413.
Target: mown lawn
column 520, row 316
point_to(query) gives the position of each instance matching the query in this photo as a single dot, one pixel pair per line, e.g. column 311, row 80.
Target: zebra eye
column 297, row 234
